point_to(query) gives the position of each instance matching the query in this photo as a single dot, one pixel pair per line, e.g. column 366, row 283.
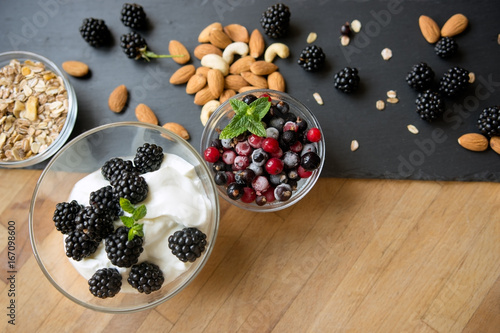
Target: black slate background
column 387, row 149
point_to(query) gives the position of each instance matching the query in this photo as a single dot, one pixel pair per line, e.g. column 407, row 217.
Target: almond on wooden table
column 144, row 114
column 118, row 98
column 75, row 68
column 177, row 48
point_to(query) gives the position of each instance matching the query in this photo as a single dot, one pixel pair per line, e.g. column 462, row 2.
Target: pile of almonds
column 220, row 77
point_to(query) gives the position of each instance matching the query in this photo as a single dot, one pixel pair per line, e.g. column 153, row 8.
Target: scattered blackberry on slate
column 79, row 245
column 429, row 105
column 130, row 186
column 65, row 215
column 454, row 81
column 187, row 244
column 105, row 199
column 114, row 167
column 120, row 251
column 106, row 282
column 446, row 47
column 148, row 158
column 133, row 16
column 311, row 58
column 95, row 222
column 276, row 20
column 146, row 277
column 95, row 32
column 347, row 80
column 135, row 47
column 420, row 77
column 489, row 121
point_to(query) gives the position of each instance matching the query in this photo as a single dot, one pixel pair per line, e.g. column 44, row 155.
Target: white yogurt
column 175, row 200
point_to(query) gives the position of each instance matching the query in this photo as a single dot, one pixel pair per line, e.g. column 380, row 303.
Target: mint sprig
column 246, row 118
column 138, row 213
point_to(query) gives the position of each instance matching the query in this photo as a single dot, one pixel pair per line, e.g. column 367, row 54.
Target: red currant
column 211, row 154
column 249, row 195
column 255, row 141
column 270, row 145
column 314, row 134
column 269, row 194
column 274, row 166
column 303, row 173
column 268, row 97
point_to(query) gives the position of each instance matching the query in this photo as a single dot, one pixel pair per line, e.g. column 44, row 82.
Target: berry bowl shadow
column 84, row 155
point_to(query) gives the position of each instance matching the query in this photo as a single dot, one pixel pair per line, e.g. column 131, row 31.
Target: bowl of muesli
column 38, row 109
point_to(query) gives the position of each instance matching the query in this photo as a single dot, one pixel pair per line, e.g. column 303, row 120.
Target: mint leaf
column 135, row 230
column 126, row 206
column 127, row 221
column 247, row 118
column 139, row 213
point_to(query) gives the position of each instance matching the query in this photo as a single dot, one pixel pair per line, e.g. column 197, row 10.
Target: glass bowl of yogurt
column 180, row 194
column 257, row 173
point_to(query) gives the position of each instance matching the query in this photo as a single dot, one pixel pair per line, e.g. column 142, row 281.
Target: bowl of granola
column 38, row 109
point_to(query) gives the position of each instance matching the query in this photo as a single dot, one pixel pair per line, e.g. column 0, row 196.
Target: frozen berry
column 274, row 166
column 244, row 177
column 220, row 178
column 228, row 156
column 241, row 162
column 211, row 154
column 314, row 134
column 248, row 195
column 310, row 161
column 243, row 148
column 260, row 184
column 303, row 173
column 283, row 192
column 235, row 191
column 255, row 141
column 270, row 145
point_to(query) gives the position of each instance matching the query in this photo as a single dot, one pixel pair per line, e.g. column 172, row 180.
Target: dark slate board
column 387, row 149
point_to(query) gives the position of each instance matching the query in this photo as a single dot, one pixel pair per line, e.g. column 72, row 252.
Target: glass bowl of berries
column 124, row 217
column 265, row 150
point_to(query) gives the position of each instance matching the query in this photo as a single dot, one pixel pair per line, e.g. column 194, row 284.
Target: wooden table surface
column 354, row 255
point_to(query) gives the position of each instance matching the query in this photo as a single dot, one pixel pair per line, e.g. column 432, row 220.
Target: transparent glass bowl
column 222, row 116
column 81, row 156
column 63, row 136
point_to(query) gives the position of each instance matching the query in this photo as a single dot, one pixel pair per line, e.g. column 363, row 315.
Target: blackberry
column 148, row 158
column 106, row 282
column 446, row 47
column 489, row 121
column 454, row 81
column 65, row 214
column 135, row 47
column 133, row 16
column 146, row 277
column 114, row 167
column 347, row 80
column 429, row 105
column 79, row 245
column 95, row 32
column 105, row 199
column 120, row 251
column 311, row 58
column 276, row 20
column 420, row 77
column 94, row 222
column 187, row 244
column 130, row 186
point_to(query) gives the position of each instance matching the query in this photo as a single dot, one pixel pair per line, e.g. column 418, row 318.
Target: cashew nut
column 215, row 61
column 234, row 48
column 207, row 110
column 276, row 49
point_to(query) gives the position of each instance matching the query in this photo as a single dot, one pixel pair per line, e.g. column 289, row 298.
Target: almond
column 255, row 80
column 203, row 36
column 177, row 129
column 226, row 94
column 241, row 65
column 495, row 144
column 246, row 88
column 204, row 49
column 183, row 74
column 144, row 114
column 256, row 44
column 237, row 33
column 219, row 39
column 215, row 81
column 203, row 70
column 118, row 98
column 177, row 48
column 203, row 96
column 263, row 67
column 430, row 29
column 75, row 68
column 234, row 82
column 196, row 83
column 275, row 81
column 455, row 25
column 473, row 141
